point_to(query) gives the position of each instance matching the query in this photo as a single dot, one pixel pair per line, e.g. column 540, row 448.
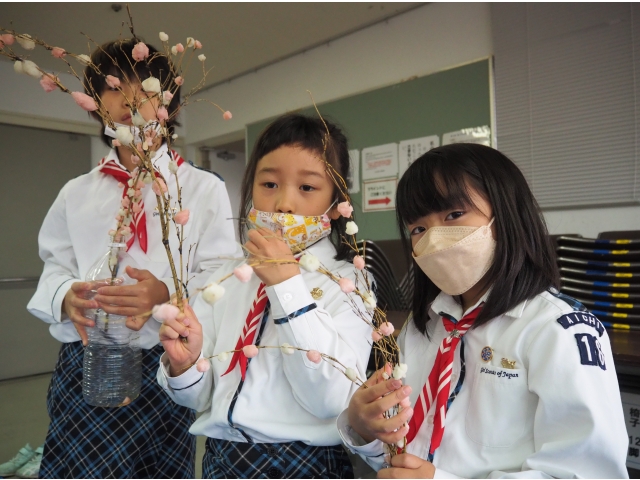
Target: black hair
column 524, row 263
column 116, row 58
column 307, row 133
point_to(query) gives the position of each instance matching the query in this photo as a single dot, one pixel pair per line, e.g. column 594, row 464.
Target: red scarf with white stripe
column 439, row 383
column 138, row 223
column 249, row 331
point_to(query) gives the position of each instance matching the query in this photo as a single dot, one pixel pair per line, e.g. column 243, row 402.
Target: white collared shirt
column 284, row 398
column 557, row 413
column 74, row 235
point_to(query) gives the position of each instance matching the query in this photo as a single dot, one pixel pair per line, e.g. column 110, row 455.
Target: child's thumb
column 137, row 274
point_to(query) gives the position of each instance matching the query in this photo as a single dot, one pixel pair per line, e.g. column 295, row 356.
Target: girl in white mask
column 274, row 416
column 506, row 376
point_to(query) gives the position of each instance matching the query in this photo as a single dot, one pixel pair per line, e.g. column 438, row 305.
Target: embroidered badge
column 581, row 318
column 486, row 354
column 590, row 350
column 316, row 293
column 506, row 363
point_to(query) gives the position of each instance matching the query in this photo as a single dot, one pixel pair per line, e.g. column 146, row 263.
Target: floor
column 24, row 419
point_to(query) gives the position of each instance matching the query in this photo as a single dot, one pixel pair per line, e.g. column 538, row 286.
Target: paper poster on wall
column 480, row 135
column 379, row 195
column 354, row 170
column 380, row 161
column 409, row 150
column 631, row 408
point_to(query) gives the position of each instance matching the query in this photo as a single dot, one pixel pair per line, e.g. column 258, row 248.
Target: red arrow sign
column 378, row 201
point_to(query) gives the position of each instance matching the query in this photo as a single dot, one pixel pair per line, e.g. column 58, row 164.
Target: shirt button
column 272, row 452
column 287, row 297
column 274, row 473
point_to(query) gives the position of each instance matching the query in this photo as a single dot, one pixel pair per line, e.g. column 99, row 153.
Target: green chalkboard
column 435, row 104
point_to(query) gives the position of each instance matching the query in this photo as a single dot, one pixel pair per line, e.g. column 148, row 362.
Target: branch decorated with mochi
column 146, row 135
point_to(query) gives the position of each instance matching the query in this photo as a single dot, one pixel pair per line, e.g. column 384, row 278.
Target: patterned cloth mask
column 299, row 231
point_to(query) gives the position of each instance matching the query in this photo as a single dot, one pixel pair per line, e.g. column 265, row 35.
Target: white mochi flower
column 124, row 135
column 223, row 356
column 31, row 69
column 351, row 228
column 174, row 50
column 84, row 59
column 351, row 374
column 138, row 120
column 201, row 57
column 190, row 42
column 400, row 371
column 287, row 349
column 151, row 84
column 309, row 262
column 369, row 301
column 173, row 166
column 212, row 293
column 26, row 41
column 163, row 37
column 18, row 66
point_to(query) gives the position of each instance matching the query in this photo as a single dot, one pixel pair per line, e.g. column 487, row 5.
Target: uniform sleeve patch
column 590, row 350
column 584, row 318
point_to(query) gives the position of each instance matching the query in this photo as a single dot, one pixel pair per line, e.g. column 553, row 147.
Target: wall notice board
column 445, row 107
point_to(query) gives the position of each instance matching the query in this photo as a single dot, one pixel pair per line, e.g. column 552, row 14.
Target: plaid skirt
column 149, row 438
column 223, row 459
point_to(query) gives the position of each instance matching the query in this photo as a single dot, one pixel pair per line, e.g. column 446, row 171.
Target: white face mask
column 455, row 258
column 299, row 231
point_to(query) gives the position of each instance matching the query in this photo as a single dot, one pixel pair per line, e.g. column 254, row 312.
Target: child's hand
column 264, row 244
column 406, row 465
column 134, row 301
column 74, row 305
column 182, row 354
column 367, row 406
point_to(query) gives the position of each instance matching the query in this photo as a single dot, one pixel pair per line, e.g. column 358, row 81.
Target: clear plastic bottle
column 112, row 373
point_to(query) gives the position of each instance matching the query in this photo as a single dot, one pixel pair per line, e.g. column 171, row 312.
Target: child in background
column 147, row 438
column 273, row 416
column 508, row 377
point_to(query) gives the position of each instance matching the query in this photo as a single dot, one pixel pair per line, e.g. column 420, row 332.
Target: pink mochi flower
column 84, row 101
column 346, row 285
column 250, row 351
column 197, row 44
column 7, row 39
column 162, row 114
column 182, row 217
column 165, row 312
column 203, row 365
column 179, row 80
column 179, row 47
column 358, row 262
column 125, row 202
column 227, row 115
column 375, row 336
column 345, row 209
column 243, row 272
column 48, row 83
column 136, row 208
column 113, row 82
column 140, row 52
column 58, row 52
column 159, row 187
column 166, row 97
column 314, row 356
column 135, row 160
column 387, row 329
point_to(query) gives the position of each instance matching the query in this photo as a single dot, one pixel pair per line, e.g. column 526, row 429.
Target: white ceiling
column 237, row 37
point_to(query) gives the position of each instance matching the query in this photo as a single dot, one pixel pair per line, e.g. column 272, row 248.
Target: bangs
column 432, row 184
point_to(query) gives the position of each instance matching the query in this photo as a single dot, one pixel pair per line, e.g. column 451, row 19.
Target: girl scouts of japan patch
column 487, row 354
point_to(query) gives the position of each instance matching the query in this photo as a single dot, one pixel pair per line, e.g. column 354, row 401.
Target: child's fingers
column 378, row 390
column 258, row 238
column 82, row 332
column 123, row 311
column 378, row 377
column 136, row 322
column 394, row 436
column 79, row 287
column 117, row 300
column 172, row 332
column 406, row 460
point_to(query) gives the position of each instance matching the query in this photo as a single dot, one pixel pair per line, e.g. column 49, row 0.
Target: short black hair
column 309, row 133
column 115, row 58
column 524, row 263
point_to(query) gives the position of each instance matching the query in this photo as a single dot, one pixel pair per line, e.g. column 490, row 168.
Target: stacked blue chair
column 604, row 275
